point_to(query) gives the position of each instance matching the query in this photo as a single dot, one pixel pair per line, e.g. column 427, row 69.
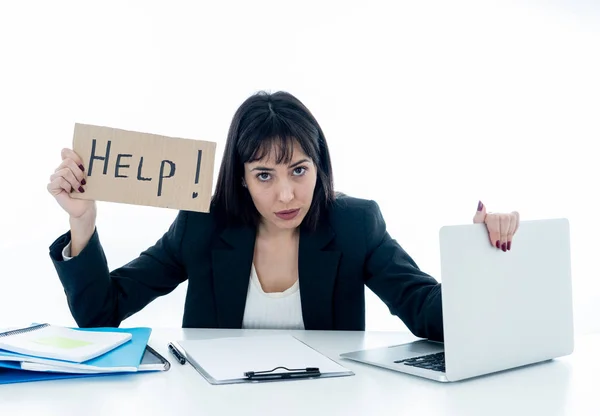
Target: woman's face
column 282, row 193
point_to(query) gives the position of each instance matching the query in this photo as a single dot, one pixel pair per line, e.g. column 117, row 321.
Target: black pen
column 179, row 356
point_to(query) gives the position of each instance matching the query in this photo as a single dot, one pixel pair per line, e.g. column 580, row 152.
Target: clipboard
column 256, row 358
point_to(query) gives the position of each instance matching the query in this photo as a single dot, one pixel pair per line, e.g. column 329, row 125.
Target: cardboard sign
column 145, row 169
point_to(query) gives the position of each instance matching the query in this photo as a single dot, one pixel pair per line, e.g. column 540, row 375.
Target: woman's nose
column 286, row 192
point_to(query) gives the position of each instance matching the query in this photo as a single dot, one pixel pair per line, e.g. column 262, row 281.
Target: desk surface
column 565, row 386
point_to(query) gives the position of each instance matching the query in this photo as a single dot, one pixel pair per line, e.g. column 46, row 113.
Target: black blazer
column 350, row 248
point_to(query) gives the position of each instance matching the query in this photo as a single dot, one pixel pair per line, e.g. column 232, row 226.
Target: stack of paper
column 53, row 349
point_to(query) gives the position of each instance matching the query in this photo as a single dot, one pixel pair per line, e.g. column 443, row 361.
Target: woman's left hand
column 501, row 227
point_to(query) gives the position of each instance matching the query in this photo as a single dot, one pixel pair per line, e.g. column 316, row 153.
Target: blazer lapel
column 231, row 275
column 317, row 269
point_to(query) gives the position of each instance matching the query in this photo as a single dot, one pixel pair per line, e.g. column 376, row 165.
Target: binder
column 10, row 372
column 126, row 357
column 132, row 357
column 256, row 358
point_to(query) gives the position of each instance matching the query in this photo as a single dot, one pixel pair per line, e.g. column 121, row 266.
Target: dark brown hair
column 262, row 121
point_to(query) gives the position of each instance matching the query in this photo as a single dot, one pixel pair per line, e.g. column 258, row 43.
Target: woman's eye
column 263, row 176
column 299, row 171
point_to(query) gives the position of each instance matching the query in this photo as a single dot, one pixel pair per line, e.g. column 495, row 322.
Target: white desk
column 565, row 386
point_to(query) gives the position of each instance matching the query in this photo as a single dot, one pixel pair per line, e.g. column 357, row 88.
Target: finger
column 479, row 217
column 504, row 226
column 512, row 228
column 67, row 153
column 68, row 175
column 58, row 185
column 76, row 169
column 493, row 226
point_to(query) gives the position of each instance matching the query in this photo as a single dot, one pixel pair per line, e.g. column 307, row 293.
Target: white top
column 277, row 310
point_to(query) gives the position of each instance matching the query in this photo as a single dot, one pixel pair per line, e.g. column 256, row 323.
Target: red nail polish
column 479, row 206
column 83, row 182
column 508, row 245
column 504, row 247
column 81, row 167
column 497, row 243
column 81, row 189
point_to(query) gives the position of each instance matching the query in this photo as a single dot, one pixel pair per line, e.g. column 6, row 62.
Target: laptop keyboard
column 433, row 362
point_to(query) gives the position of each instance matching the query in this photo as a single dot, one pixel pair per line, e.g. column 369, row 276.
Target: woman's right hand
column 67, row 178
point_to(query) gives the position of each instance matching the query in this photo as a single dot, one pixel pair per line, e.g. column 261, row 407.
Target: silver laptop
column 502, row 310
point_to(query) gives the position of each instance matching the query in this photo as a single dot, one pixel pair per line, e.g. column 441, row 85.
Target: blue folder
column 11, row 375
column 128, row 354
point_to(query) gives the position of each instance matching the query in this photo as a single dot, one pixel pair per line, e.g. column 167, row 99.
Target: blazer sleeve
column 412, row 295
column 99, row 297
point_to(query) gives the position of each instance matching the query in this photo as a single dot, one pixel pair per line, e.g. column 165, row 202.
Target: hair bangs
column 274, row 139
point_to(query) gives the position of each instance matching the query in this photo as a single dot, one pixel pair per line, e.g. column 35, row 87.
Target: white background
column 427, row 107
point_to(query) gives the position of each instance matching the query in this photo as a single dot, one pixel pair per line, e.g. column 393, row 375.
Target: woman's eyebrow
column 299, row 163
column 261, row 168
column 271, row 169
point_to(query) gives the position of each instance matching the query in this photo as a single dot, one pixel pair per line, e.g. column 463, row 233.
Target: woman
column 279, row 248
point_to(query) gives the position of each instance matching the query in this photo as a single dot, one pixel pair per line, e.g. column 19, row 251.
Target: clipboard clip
column 290, row 374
